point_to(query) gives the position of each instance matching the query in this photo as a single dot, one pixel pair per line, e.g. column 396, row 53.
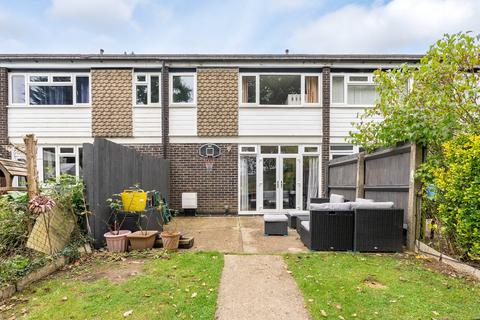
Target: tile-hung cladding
column 3, row 113
column 112, row 103
column 217, row 102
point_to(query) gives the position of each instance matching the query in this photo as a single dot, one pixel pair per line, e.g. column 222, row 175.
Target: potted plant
column 116, row 238
column 142, row 239
column 171, row 239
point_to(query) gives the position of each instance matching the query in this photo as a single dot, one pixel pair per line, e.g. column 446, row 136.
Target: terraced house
column 269, row 122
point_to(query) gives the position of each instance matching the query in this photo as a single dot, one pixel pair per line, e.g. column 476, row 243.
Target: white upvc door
column 279, row 183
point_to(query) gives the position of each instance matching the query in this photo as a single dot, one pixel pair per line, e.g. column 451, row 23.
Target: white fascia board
column 250, row 140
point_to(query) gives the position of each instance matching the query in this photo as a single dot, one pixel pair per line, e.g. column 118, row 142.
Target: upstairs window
column 147, row 89
column 183, row 89
column 279, row 89
column 49, row 89
column 355, row 89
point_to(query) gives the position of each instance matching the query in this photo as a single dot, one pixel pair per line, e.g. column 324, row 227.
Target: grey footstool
column 276, row 224
column 293, row 216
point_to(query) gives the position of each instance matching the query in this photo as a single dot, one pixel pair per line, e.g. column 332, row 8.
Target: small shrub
column 13, row 227
column 458, row 193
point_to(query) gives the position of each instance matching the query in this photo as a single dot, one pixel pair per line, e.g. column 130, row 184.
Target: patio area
column 235, row 234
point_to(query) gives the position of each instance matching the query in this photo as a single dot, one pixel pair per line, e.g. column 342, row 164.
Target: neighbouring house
column 276, row 119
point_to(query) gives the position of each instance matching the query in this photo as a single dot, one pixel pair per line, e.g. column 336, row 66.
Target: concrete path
column 258, row 287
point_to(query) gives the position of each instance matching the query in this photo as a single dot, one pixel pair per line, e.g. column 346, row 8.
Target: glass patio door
column 278, row 183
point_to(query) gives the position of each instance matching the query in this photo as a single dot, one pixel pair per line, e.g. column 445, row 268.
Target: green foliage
column 443, row 100
column 68, row 194
column 458, row 193
column 13, row 226
column 18, row 266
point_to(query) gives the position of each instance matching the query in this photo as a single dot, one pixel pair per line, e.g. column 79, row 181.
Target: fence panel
column 110, row 168
column 342, row 176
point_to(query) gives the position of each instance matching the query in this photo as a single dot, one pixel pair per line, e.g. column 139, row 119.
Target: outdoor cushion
column 364, row 200
column 372, row 205
column 336, row 198
column 275, row 218
column 297, row 213
column 344, row 206
column 306, row 225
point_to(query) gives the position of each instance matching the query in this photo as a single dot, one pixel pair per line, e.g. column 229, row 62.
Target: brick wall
column 150, row 149
column 4, row 113
column 216, row 189
column 325, row 128
column 217, row 102
column 112, row 103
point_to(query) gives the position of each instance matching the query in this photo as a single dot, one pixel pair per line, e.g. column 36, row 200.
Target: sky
column 227, row 26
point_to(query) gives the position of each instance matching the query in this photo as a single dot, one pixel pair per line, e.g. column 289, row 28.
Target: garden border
column 455, row 264
column 39, row 274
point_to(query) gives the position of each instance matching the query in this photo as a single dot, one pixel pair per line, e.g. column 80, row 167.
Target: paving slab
column 258, row 287
column 235, row 234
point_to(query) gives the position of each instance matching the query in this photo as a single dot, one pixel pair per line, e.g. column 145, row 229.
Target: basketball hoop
column 209, row 160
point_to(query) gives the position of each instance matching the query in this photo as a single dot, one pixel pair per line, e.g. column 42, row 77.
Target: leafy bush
column 458, row 193
column 14, row 222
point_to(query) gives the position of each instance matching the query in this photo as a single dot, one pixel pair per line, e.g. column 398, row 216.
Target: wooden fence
column 385, row 175
column 109, row 168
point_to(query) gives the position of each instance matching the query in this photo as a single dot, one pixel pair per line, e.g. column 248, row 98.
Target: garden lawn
column 177, row 286
column 359, row 286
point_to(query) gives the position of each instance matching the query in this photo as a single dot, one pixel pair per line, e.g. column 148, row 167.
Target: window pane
column 39, row 79
column 269, row 149
column 48, row 163
column 80, row 162
column 67, row 165
column 141, row 78
column 344, row 147
column 66, row 150
column 248, row 183
column 310, row 180
column 311, row 149
column 51, row 95
column 141, row 94
column 248, row 149
column 280, row 89
column 361, row 94
column 183, row 89
column 249, row 89
column 311, row 89
column 337, row 90
column 62, row 79
column 289, row 149
column 18, row 89
column 83, row 92
column 359, row 78
column 155, row 87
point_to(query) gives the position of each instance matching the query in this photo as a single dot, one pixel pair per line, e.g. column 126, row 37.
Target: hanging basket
column 170, row 240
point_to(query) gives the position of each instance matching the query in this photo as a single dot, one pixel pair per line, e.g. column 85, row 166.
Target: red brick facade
column 150, row 149
column 214, row 190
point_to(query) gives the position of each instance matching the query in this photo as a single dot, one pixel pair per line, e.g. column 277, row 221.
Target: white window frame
column 50, row 75
column 346, row 82
column 341, row 152
column 248, row 146
column 257, row 90
column 311, row 152
column 148, row 82
column 75, row 153
column 170, row 84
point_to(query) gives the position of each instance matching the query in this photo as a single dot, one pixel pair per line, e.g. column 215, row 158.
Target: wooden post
column 413, row 203
column 31, row 154
column 360, row 183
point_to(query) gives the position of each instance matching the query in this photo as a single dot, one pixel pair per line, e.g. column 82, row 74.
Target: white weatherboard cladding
column 282, row 121
column 50, row 121
column 341, row 119
column 147, row 122
column 183, row 121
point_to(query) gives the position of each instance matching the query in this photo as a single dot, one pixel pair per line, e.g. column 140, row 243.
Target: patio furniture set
column 336, row 224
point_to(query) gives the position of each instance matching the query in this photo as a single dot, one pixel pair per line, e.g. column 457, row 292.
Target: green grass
column 338, row 285
column 162, row 290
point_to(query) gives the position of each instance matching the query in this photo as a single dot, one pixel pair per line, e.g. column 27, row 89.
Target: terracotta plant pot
column 141, row 240
column 170, row 240
column 117, row 242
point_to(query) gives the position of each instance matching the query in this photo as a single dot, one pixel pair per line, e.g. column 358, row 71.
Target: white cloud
column 396, row 26
column 95, row 14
